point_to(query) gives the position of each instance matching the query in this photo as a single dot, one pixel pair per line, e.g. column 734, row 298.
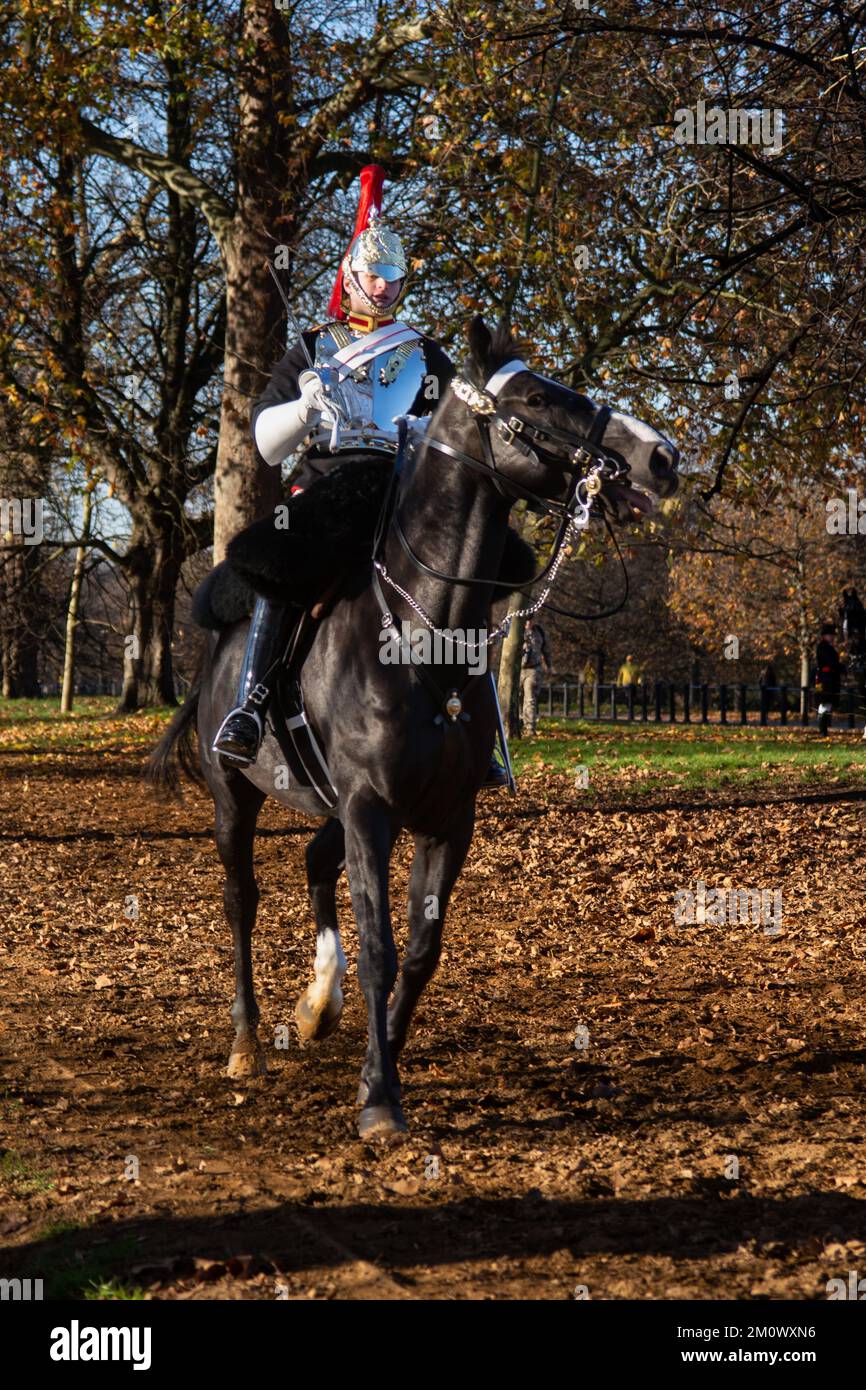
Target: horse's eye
column 536, row 399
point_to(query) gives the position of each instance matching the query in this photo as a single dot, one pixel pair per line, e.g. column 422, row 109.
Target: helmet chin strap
column 351, row 281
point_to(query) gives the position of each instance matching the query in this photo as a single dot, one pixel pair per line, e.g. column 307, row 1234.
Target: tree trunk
column 245, row 487
column 152, row 571
column 19, row 623
column 66, row 695
column 508, row 683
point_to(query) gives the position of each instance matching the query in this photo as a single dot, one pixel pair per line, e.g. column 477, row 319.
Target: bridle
column 529, row 439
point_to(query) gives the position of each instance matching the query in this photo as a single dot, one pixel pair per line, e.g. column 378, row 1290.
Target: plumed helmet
column 373, row 250
column 378, row 251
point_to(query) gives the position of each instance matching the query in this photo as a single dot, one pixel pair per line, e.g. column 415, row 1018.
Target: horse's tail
column 175, row 752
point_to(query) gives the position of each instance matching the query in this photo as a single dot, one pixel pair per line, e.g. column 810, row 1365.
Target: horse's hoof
column 381, row 1122
column 247, row 1063
column 318, row 1021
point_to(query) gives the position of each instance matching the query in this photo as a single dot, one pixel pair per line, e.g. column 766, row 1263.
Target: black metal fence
column 667, row 702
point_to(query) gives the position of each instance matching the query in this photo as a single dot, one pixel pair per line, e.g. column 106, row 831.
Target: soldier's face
column 382, row 292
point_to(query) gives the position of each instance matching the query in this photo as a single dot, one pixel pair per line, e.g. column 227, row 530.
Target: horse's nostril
column 664, row 459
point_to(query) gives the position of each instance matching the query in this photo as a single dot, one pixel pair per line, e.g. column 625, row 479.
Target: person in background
column 587, row 674
column 629, row 672
column 767, row 681
column 828, row 677
column 535, row 652
column 854, row 636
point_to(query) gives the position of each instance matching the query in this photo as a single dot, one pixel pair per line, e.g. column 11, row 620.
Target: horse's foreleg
column 320, row 1006
column 237, row 808
column 370, row 835
column 435, row 869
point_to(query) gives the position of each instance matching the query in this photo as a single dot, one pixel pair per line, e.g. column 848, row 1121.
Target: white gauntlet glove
column 280, row 428
column 312, row 393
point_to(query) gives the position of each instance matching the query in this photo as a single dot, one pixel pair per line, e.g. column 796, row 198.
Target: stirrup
column 236, row 753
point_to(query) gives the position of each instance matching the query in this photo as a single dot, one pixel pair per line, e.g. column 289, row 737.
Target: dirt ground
column 601, row 1102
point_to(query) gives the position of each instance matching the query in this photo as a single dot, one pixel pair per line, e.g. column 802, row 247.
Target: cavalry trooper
column 332, row 399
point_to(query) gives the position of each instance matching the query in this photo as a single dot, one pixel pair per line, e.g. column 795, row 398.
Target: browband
column 499, row 378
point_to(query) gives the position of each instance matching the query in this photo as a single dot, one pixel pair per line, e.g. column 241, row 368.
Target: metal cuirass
column 370, row 395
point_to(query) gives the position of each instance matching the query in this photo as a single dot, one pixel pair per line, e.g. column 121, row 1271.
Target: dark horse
column 392, row 762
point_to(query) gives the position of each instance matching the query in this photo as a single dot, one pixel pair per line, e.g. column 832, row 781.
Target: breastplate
column 373, row 394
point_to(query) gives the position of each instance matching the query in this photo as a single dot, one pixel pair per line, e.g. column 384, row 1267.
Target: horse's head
column 543, row 434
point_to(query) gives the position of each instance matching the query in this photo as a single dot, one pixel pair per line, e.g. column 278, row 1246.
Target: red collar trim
column 366, row 323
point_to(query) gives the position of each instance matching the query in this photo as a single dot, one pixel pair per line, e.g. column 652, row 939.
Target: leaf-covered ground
column 600, row 1100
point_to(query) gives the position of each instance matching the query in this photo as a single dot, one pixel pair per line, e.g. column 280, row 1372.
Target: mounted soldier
column 404, row 750
column 332, row 400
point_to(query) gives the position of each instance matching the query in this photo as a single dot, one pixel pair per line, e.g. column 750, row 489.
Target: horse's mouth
column 629, row 503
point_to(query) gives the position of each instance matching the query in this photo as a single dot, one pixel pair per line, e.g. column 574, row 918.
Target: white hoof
column 318, row 1015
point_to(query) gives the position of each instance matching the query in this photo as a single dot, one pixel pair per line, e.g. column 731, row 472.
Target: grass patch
column 61, row 1227
column 37, row 727
column 631, row 759
column 646, row 759
column 92, row 1273
column 11, row 1106
column 71, row 1270
column 21, row 1176
column 100, row 1289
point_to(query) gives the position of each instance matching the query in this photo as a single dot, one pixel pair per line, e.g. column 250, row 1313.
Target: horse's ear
column 479, row 342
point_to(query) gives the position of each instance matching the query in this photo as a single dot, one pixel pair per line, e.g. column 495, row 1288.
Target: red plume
column 372, row 177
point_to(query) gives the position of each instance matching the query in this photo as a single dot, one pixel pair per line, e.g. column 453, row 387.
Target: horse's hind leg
column 237, row 804
column 320, row 1006
column 435, row 869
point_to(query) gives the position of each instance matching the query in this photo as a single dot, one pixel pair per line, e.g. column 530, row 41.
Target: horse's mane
column 503, row 347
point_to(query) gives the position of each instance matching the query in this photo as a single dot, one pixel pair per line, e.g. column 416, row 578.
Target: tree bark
column 508, row 683
column 153, row 565
column 245, row 487
column 19, row 638
column 804, row 642
column 68, row 688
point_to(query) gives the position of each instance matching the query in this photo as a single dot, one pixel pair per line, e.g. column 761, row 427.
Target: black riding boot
column 496, row 774
column 240, row 735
